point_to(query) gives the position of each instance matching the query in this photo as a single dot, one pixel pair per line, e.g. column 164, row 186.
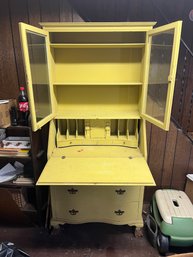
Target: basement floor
column 85, row 240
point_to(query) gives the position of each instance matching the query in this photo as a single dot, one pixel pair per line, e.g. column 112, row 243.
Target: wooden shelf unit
column 33, row 165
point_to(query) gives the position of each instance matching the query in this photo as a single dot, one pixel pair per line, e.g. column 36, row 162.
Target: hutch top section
column 97, row 26
column 113, row 71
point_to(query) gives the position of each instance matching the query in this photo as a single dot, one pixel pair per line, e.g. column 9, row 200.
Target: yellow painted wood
column 97, row 137
column 83, row 166
column 143, row 139
column 107, row 216
column 131, row 141
column 24, row 28
column 95, row 113
column 91, row 102
column 51, row 138
column 176, row 26
column 85, row 201
column 112, row 132
column 99, row 45
column 97, row 151
column 96, row 26
column 97, row 65
column 138, row 83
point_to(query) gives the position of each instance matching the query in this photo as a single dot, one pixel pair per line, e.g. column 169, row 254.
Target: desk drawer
column 97, row 193
column 102, row 204
column 92, row 213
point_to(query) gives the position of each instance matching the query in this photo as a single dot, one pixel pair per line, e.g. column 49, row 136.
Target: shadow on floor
column 84, row 240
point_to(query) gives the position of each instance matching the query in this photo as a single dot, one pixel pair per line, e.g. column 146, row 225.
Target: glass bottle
column 23, row 107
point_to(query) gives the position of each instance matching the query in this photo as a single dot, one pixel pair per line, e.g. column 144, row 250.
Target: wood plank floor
column 85, row 240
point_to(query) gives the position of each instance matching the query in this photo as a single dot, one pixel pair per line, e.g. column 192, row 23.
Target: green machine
column 170, row 222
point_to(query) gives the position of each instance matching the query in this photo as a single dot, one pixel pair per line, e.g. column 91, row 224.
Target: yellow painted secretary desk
column 97, row 84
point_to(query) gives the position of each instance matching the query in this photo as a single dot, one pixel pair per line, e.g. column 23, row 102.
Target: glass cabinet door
column 162, row 49
column 36, row 60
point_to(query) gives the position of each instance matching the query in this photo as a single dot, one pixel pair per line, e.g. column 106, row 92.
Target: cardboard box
column 5, row 106
column 189, row 187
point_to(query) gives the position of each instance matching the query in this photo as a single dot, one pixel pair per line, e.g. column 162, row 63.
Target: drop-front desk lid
column 96, row 165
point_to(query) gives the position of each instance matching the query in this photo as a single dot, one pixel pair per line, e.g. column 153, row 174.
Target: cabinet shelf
column 99, row 45
column 22, row 187
column 16, row 185
column 85, row 114
column 15, row 157
column 97, row 84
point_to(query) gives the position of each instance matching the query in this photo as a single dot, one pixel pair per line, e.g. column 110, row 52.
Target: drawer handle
column 72, row 191
column 119, row 212
column 120, row 191
column 73, row 212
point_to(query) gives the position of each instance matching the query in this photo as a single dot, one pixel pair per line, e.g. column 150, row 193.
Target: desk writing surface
column 96, row 165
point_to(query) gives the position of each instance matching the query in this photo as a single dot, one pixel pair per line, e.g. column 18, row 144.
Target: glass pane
column 39, row 74
column 159, row 70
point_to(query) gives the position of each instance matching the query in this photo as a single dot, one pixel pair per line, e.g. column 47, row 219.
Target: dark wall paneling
column 135, row 10
column 157, row 142
column 19, row 12
column 149, row 191
column 50, row 10
column 190, row 124
column 180, row 85
column 65, row 11
column 156, row 15
column 148, row 132
column 101, row 10
column 76, row 17
column 169, row 155
column 187, row 120
column 157, row 152
column 34, row 12
column 181, row 161
column 8, row 72
column 170, row 159
column 190, row 165
column 150, row 13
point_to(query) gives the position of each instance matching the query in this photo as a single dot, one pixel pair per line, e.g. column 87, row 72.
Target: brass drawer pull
column 73, row 212
column 120, row 191
column 72, row 191
column 119, row 212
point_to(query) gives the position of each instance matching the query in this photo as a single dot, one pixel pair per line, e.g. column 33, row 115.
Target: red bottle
column 23, row 107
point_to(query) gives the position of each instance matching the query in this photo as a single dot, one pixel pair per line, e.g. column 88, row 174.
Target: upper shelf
column 98, row 45
column 97, row 83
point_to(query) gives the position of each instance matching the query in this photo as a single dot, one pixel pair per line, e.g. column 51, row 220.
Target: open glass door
column 162, row 49
column 35, row 54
